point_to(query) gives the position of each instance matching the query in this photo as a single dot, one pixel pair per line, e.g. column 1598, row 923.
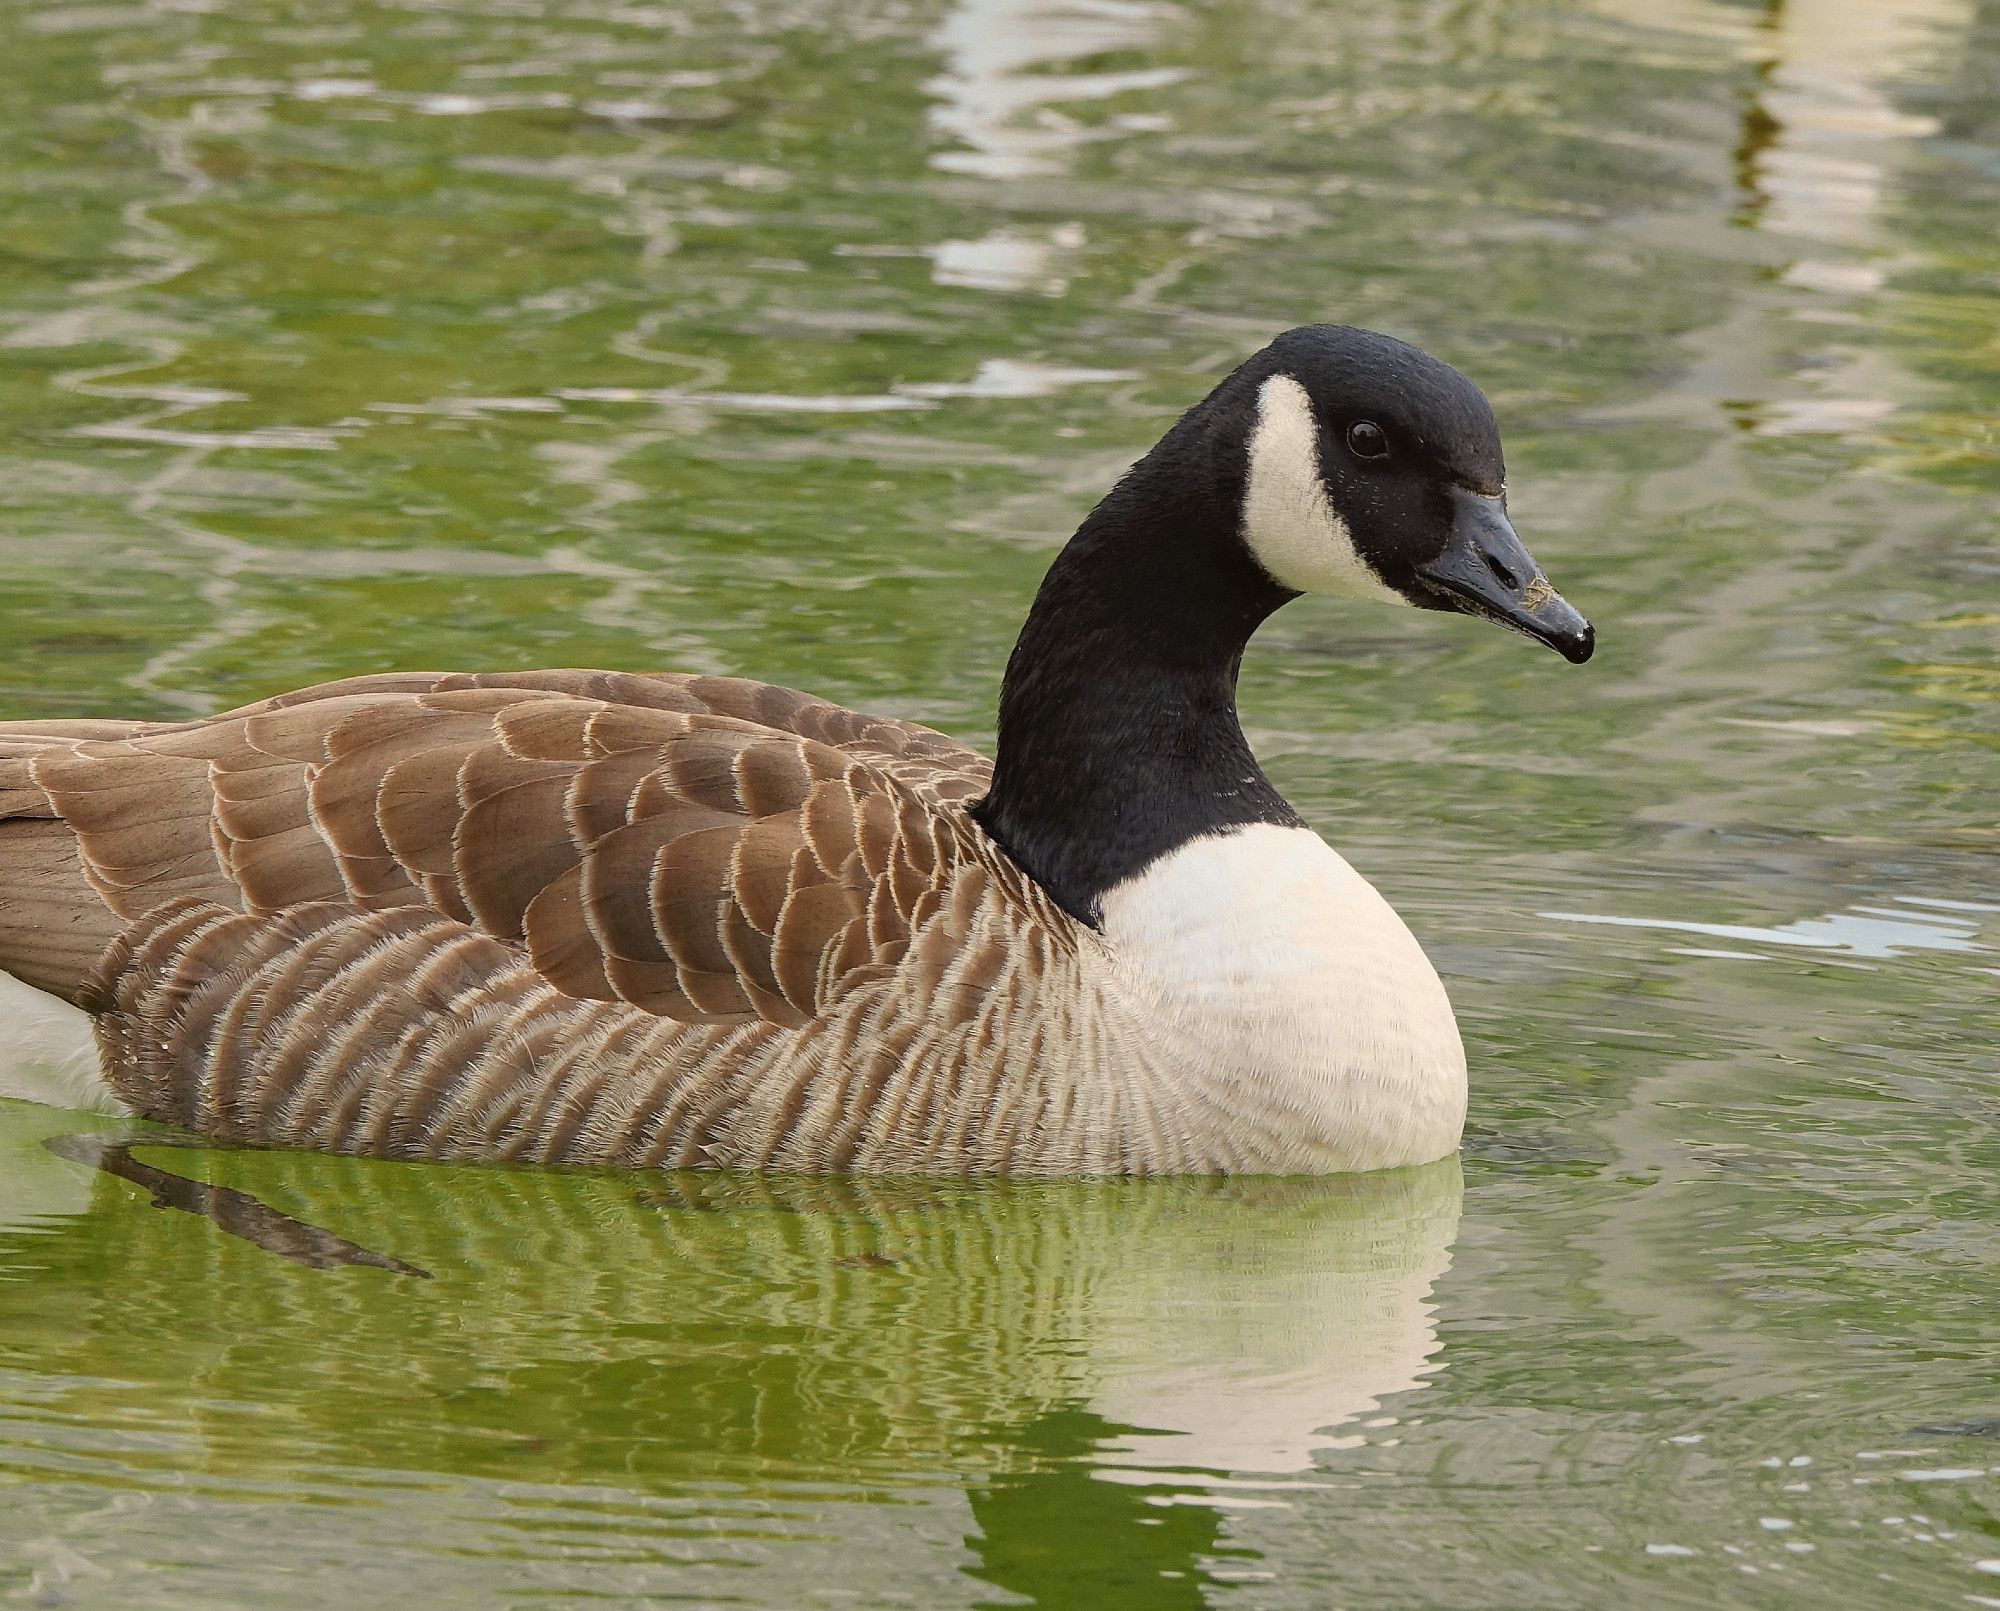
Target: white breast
column 1295, row 1000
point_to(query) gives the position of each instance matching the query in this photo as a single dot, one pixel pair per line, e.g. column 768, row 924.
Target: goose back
column 696, row 863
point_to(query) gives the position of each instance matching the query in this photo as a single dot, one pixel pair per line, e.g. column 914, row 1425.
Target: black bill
column 1485, row 571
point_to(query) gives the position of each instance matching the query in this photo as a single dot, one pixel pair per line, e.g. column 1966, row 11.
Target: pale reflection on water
column 1865, row 931
column 1002, row 93
column 1197, row 1335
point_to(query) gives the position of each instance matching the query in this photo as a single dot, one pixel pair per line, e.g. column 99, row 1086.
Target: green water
column 787, row 339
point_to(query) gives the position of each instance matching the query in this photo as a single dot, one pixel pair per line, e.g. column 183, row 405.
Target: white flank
column 47, row 1051
column 1289, row 523
column 1298, row 1003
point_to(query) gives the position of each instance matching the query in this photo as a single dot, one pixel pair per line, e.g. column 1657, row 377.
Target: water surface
column 789, row 339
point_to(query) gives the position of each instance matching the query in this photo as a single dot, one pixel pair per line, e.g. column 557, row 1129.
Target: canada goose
column 589, row 917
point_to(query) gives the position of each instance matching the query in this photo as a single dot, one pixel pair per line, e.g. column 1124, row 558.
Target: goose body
column 593, row 917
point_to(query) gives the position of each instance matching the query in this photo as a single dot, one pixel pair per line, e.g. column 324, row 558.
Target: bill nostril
column 1502, row 571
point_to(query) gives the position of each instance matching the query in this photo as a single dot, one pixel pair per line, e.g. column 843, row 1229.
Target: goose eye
column 1367, row 440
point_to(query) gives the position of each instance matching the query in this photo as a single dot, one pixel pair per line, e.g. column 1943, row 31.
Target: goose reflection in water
column 1074, row 1382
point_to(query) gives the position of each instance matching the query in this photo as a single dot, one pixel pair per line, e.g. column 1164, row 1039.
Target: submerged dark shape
column 1985, row 1427
column 235, row 1212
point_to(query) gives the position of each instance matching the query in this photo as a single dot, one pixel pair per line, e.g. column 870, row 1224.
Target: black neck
column 1118, row 732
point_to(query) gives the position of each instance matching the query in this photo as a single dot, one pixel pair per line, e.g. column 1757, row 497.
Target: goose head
column 1371, row 469
column 1333, row 461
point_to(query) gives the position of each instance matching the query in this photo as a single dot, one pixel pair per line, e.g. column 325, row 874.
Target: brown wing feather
column 710, row 850
column 929, row 761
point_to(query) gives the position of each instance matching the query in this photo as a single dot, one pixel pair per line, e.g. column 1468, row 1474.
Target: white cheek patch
column 1289, row 523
